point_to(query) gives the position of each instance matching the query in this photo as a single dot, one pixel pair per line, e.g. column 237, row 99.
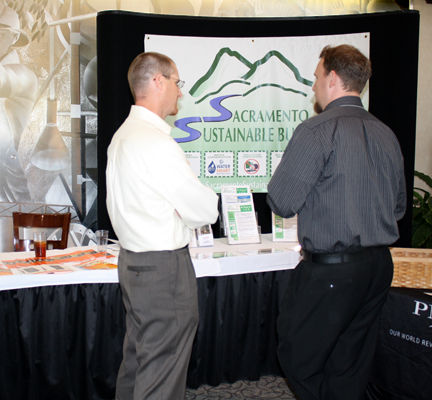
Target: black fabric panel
column 65, row 342
column 61, row 342
column 374, row 392
column 393, row 86
column 236, row 336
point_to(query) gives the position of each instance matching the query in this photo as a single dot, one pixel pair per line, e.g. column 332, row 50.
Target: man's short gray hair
column 144, row 68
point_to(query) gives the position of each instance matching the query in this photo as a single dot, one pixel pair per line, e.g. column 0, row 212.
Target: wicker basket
column 412, row 268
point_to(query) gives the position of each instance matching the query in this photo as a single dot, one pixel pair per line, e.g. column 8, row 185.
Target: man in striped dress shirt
column 343, row 174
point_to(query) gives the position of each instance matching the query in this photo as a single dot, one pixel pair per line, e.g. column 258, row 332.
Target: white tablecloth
column 219, row 260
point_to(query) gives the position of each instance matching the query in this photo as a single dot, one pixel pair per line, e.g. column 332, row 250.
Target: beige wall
column 423, row 161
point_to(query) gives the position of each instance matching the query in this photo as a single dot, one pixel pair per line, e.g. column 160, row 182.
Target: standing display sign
column 239, row 215
column 243, row 99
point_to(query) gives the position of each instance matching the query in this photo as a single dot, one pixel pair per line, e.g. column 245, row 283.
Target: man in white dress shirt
column 154, row 199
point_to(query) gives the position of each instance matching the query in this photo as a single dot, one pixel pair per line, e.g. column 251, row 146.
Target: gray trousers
column 160, row 295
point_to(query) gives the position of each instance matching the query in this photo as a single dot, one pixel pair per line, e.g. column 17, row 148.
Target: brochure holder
column 205, row 236
column 239, row 215
column 202, row 237
column 284, row 229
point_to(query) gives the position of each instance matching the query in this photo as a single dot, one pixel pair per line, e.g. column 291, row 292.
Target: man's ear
column 333, row 79
column 158, row 80
column 336, row 81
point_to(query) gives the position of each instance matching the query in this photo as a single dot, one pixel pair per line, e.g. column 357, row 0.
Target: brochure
column 205, row 236
column 239, row 215
column 284, row 229
column 69, row 262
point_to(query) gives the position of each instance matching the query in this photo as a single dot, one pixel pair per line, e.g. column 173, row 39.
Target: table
column 219, row 260
column 61, row 337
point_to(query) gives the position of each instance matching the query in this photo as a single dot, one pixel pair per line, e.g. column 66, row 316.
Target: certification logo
column 276, row 157
column 251, row 166
column 211, row 168
column 252, row 163
column 219, row 164
column 194, row 160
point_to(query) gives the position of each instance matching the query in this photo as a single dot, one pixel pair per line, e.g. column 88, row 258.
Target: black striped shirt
column 343, row 174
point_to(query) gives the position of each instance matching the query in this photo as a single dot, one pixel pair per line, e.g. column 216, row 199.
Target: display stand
column 239, row 215
column 284, row 229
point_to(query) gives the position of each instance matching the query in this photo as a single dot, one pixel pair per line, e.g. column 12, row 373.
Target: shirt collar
column 345, row 101
column 149, row 116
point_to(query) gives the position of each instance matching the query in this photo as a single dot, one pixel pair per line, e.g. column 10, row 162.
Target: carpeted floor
column 268, row 387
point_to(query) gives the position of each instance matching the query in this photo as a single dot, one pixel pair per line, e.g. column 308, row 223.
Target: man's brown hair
column 350, row 65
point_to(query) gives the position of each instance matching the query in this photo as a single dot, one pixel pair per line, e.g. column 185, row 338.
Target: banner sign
column 243, row 99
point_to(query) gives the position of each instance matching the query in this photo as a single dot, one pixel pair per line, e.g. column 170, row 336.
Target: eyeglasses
column 178, row 82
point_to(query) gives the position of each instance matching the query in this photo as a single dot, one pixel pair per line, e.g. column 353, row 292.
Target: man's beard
column 317, row 108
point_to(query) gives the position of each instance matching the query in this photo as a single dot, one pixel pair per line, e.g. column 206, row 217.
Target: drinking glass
column 102, row 240
column 39, row 241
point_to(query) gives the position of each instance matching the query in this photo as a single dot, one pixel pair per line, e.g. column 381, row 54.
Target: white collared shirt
column 153, row 196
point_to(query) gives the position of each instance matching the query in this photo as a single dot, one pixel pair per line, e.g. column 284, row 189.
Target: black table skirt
column 61, row 342
column 65, row 342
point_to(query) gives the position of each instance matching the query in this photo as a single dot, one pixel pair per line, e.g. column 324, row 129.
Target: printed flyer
column 239, row 215
column 284, row 229
column 68, row 262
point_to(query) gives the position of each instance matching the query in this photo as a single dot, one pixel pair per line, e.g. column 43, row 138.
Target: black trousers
column 328, row 326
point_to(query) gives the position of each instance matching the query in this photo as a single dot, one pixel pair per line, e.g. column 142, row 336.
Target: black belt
column 342, row 257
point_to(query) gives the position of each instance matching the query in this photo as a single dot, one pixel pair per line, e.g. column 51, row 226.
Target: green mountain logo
column 239, row 70
column 231, row 68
